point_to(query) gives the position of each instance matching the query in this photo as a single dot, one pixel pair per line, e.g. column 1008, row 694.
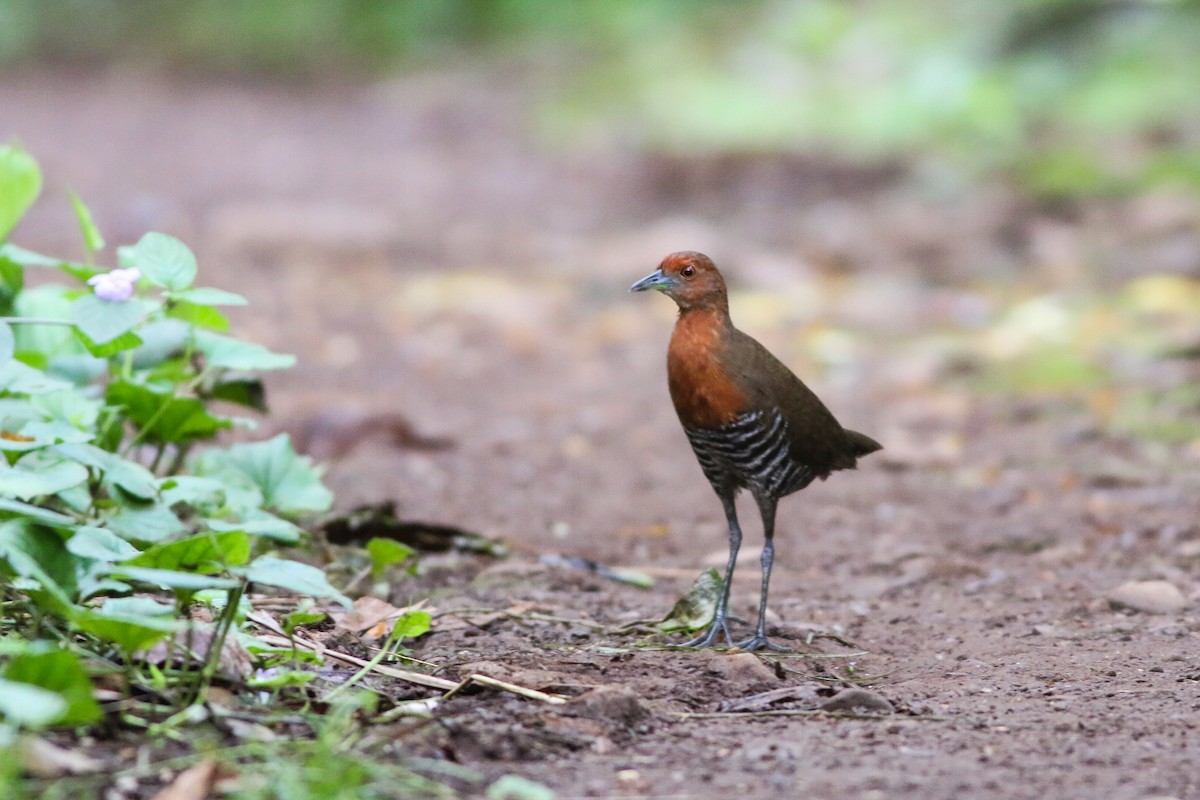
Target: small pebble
column 859, row 701
column 1151, row 597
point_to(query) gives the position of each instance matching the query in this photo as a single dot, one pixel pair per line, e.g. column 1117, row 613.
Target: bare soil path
column 422, row 252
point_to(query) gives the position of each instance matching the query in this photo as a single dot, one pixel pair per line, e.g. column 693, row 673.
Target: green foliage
column 20, row 183
column 1111, row 351
column 411, row 625
column 110, row 526
column 62, row 691
column 327, row 768
column 276, row 477
column 293, row 576
column 514, row 787
column 1066, row 98
column 386, row 552
column 92, row 239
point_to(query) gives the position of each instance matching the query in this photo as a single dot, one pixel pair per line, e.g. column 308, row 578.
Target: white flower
column 115, row 286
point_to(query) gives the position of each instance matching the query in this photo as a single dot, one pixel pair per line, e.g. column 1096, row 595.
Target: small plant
column 114, row 527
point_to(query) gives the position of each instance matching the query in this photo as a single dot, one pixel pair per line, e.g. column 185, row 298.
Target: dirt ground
column 424, row 250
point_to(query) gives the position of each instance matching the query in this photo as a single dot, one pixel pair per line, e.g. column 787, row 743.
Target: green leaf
column 198, row 315
column 412, row 624
column 113, row 470
column 92, row 239
column 294, row 577
column 8, row 343
column 29, row 706
column 102, row 321
column 20, row 183
column 165, row 261
column 225, row 351
column 697, row 607
column 50, row 302
column 385, row 552
column 12, row 281
column 162, row 340
column 44, row 434
column 69, row 406
column 204, row 296
column 203, row 552
column 151, row 524
column 192, row 491
column 35, row 513
column 241, row 390
column 303, row 617
column 514, row 787
column 288, row 482
column 99, row 544
column 281, row 679
column 261, row 524
column 37, row 553
column 38, row 474
column 138, row 607
column 171, row 579
column 129, row 632
column 60, row 672
column 27, row 258
column 163, row 417
column 279, row 655
column 126, row 341
column 18, row 378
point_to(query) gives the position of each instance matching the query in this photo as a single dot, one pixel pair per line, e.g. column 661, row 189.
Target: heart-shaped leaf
column 164, row 261
column 20, row 183
column 104, row 320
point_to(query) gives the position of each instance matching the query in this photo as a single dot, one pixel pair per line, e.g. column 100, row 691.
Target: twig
column 418, row 678
column 484, row 680
column 859, row 654
column 450, row 687
column 814, row 712
column 393, row 637
column 550, row 618
column 412, row 708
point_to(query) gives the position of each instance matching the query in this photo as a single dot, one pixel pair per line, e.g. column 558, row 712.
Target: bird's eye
column 688, row 272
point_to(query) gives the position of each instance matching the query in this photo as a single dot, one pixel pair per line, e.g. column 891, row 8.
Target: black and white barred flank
column 753, row 452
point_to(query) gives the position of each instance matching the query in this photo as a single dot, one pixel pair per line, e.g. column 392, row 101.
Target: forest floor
column 424, row 252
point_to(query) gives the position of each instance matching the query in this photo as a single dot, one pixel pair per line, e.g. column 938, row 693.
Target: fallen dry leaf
column 374, row 616
column 235, row 660
column 42, row 759
column 194, row 783
column 454, row 621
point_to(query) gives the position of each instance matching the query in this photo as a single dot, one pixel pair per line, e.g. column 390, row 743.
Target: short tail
column 863, row 444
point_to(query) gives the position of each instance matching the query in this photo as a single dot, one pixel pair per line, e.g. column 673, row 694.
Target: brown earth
column 423, row 251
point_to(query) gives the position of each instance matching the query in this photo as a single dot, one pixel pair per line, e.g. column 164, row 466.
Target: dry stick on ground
column 484, row 680
column 814, row 712
column 450, row 687
column 409, row 676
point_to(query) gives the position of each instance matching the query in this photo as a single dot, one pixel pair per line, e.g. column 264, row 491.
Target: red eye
column 688, row 272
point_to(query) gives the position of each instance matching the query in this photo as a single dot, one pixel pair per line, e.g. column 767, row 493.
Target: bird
column 751, row 422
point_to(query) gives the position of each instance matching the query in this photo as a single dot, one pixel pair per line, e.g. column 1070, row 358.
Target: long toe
column 709, row 637
column 759, row 642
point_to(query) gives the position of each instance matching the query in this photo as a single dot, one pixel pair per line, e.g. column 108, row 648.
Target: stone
column 1151, row 597
column 859, row 701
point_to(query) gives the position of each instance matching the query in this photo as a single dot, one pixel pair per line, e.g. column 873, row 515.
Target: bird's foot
column 709, row 637
column 759, row 641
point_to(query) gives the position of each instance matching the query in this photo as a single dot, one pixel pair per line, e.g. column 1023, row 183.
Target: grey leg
column 759, row 641
column 720, row 623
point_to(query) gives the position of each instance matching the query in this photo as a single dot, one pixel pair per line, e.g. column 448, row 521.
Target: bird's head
column 691, row 279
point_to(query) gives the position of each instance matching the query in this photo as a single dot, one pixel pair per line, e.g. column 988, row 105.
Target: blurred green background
column 1066, row 98
column 1041, row 158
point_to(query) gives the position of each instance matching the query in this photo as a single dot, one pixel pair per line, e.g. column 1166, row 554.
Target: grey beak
column 655, row 280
